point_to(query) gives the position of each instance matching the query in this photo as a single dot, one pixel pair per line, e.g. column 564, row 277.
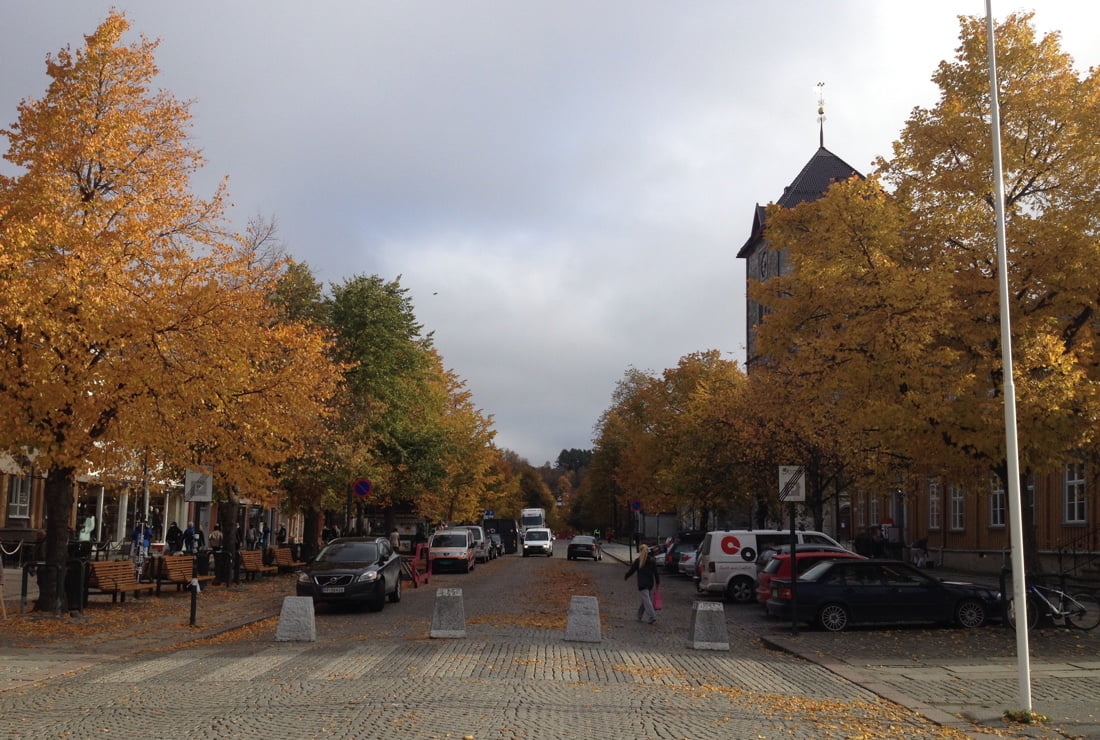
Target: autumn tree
column 131, row 321
column 891, row 308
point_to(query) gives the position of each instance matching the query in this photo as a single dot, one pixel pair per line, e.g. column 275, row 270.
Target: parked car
column 481, row 542
column 496, row 546
column 353, row 570
column 686, row 566
column 538, row 541
column 672, row 555
column 583, row 546
column 452, row 549
column 779, row 566
column 766, row 556
column 727, row 558
column 837, row 593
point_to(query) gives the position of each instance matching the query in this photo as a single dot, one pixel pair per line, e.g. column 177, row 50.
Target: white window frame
column 935, row 516
column 874, row 513
column 19, row 496
column 957, row 506
column 1074, row 504
column 998, row 503
column 861, row 514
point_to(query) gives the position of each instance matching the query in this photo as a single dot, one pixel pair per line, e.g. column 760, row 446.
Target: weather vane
column 821, row 113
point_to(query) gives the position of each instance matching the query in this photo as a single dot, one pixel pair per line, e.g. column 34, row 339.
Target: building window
column 958, row 508
column 861, row 514
column 1074, row 494
column 875, row 519
column 935, row 516
column 997, row 503
column 19, row 497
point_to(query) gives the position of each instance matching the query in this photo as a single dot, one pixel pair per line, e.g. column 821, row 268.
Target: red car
column 780, row 567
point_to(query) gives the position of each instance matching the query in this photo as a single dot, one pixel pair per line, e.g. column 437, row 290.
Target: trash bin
column 75, row 592
column 222, row 567
column 202, row 563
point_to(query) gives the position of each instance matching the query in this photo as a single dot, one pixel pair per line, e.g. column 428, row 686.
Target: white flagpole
column 1012, row 454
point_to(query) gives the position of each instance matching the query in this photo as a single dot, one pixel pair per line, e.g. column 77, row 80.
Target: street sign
column 636, row 504
column 489, row 514
column 792, row 483
column 362, row 487
column 198, row 484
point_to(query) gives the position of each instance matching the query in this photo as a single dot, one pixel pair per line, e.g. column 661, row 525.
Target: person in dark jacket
column 648, row 579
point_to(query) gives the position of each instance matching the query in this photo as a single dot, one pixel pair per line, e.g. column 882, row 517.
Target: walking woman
column 646, row 568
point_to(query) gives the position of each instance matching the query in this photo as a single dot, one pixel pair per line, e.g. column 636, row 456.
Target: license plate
column 332, row 589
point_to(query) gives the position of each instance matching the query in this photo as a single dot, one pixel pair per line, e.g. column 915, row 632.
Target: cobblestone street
column 514, row 675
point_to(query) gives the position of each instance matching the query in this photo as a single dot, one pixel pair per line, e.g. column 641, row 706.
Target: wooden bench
column 284, row 559
column 177, row 569
column 252, row 564
column 115, row 577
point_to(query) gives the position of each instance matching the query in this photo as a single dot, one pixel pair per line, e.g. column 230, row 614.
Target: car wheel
column 396, row 595
column 970, row 613
column 833, row 617
column 741, row 590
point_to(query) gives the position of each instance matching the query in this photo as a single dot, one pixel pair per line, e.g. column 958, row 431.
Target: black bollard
column 194, row 600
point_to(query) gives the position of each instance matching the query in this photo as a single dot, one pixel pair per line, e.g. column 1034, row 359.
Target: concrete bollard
column 708, row 626
column 583, row 623
column 296, row 620
column 449, row 618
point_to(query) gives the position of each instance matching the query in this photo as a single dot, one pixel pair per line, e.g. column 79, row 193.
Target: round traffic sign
column 362, row 487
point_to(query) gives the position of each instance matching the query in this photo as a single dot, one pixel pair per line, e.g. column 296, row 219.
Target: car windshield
column 536, row 535
column 449, row 540
column 349, row 552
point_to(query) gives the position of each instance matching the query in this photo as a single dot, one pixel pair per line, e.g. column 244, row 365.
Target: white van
column 481, row 542
column 452, row 549
column 727, row 558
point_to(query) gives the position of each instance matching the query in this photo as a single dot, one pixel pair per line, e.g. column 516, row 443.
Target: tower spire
column 821, row 114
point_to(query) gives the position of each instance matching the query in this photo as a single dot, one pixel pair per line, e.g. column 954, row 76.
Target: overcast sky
column 561, row 185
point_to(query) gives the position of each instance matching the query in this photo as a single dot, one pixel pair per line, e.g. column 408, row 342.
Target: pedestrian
column 648, row 579
column 174, row 538
column 217, row 539
column 140, row 540
column 265, row 537
column 189, row 538
column 395, row 540
column 282, row 535
column 878, row 543
column 863, row 543
column 251, row 537
column 198, row 539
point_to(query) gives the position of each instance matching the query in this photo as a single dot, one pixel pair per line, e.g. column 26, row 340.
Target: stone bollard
column 583, row 624
column 449, row 619
column 708, row 626
column 296, row 620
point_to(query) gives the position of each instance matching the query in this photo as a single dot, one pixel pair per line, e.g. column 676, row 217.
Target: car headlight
column 368, row 577
column 303, row 578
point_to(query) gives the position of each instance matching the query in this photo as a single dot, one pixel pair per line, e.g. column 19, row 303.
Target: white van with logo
column 727, row 558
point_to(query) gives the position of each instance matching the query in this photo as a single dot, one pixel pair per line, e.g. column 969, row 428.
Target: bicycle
column 1081, row 611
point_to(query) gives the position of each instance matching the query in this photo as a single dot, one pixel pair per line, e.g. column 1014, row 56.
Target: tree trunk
column 227, row 517
column 59, row 509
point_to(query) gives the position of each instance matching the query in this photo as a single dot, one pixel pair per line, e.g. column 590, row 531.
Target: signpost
column 198, row 484
column 792, row 489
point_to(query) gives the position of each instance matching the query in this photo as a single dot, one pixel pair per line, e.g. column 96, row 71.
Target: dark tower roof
column 823, row 169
